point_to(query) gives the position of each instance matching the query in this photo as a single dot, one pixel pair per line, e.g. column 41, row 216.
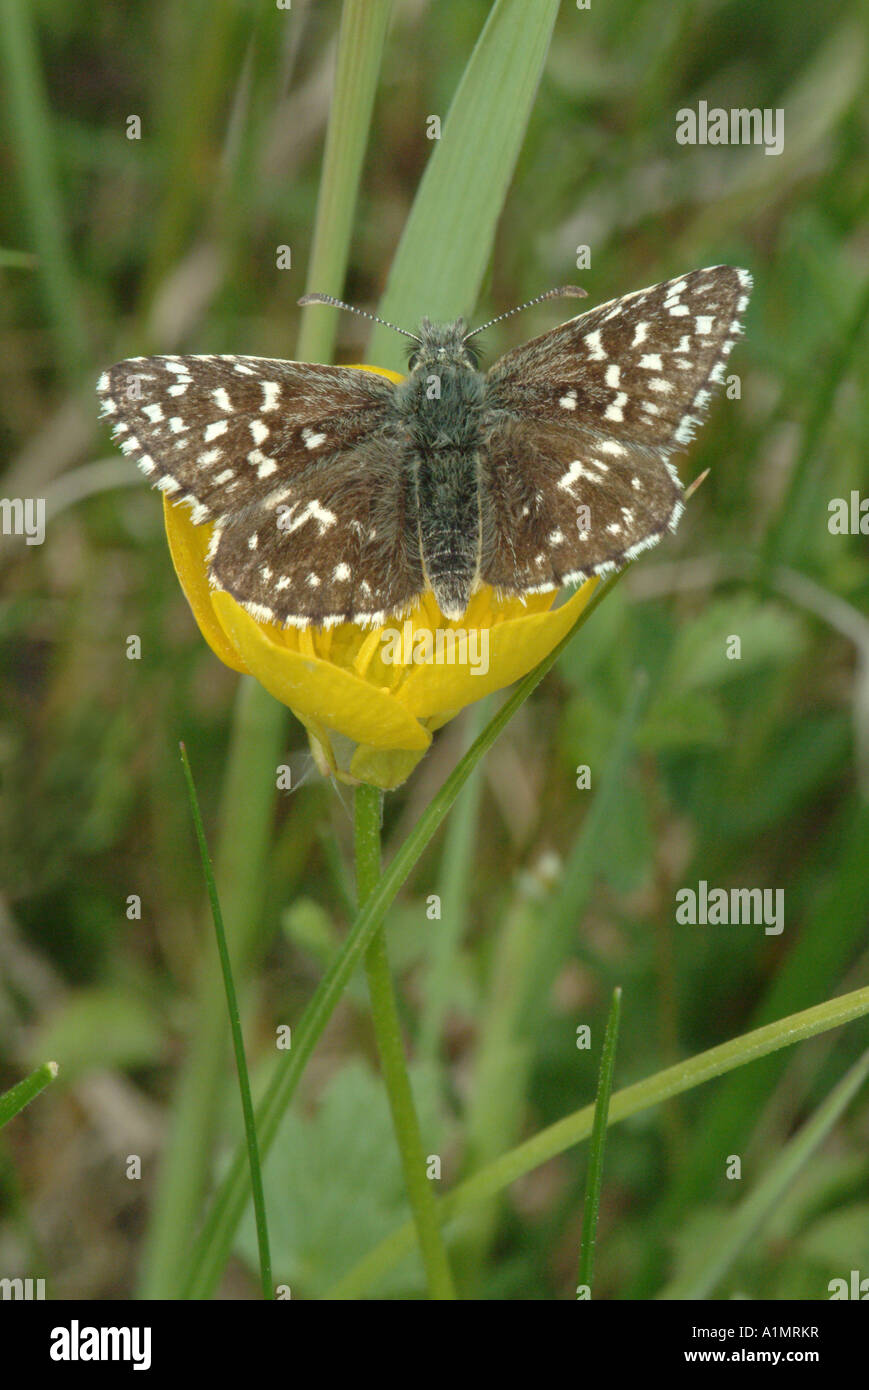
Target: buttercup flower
column 371, row 698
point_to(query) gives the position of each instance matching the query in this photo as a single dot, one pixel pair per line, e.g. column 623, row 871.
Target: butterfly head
column 442, row 345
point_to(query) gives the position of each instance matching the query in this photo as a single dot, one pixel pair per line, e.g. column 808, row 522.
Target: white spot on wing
column 312, row 439
column 595, row 348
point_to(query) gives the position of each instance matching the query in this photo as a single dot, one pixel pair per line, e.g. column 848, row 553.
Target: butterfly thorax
column 441, row 405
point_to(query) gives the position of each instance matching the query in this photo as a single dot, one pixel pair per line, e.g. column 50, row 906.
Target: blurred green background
column 750, row 772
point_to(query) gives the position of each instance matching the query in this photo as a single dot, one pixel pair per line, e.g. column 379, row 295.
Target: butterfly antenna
column 339, row 304
column 565, row 292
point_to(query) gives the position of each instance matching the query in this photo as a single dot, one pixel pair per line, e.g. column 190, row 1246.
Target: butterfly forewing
column 640, row 367
column 577, row 461
column 264, row 449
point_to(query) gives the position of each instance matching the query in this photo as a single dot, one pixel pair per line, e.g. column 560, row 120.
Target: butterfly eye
column 412, row 360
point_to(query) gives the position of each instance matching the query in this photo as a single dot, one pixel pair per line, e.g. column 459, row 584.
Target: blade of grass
column 447, row 241
column 207, row 52
column 245, row 822
column 34, row 144
column 256, row 1182
column 572, row 1129
column 387, row 1029
column 786, row 536
column 594, row 1179
column 22, row 1093
column 749, row 1216
column 213, row 1244
column 360, row 50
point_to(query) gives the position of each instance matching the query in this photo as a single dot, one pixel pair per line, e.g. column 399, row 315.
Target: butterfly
column 336, row 495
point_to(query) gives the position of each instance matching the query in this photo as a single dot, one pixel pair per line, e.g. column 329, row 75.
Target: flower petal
column 187, row 546
column 317, row 689
column 516, row 646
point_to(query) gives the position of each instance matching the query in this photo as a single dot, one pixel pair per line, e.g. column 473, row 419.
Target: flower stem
column 384, row 1011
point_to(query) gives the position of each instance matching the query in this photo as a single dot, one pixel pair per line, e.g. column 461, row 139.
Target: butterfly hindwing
column 336, row 545
column 560, row 504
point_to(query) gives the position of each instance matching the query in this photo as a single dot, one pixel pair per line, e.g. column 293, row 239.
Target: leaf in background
column 99, row 1028
column 334, row 1187
column 769, row 635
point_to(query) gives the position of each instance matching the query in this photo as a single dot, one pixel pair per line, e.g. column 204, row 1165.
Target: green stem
column 454, row 892
column 387, row 1028
column 15, row 1099
column 256, row 1181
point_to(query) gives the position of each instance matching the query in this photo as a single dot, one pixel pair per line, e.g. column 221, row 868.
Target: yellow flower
column 371, row 699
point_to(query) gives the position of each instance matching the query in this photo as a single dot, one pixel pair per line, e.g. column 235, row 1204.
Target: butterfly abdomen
column 444, row 414
column 448, row 501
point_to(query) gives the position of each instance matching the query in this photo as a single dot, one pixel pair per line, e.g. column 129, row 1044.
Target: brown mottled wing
column 271, row 453
column 339, row 545
column 576, row 466
column 559, row 505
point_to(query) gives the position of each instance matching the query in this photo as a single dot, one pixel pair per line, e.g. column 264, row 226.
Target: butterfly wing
column 337, row 545
column 559, row 505
column 576, row 464
column 271, row 453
